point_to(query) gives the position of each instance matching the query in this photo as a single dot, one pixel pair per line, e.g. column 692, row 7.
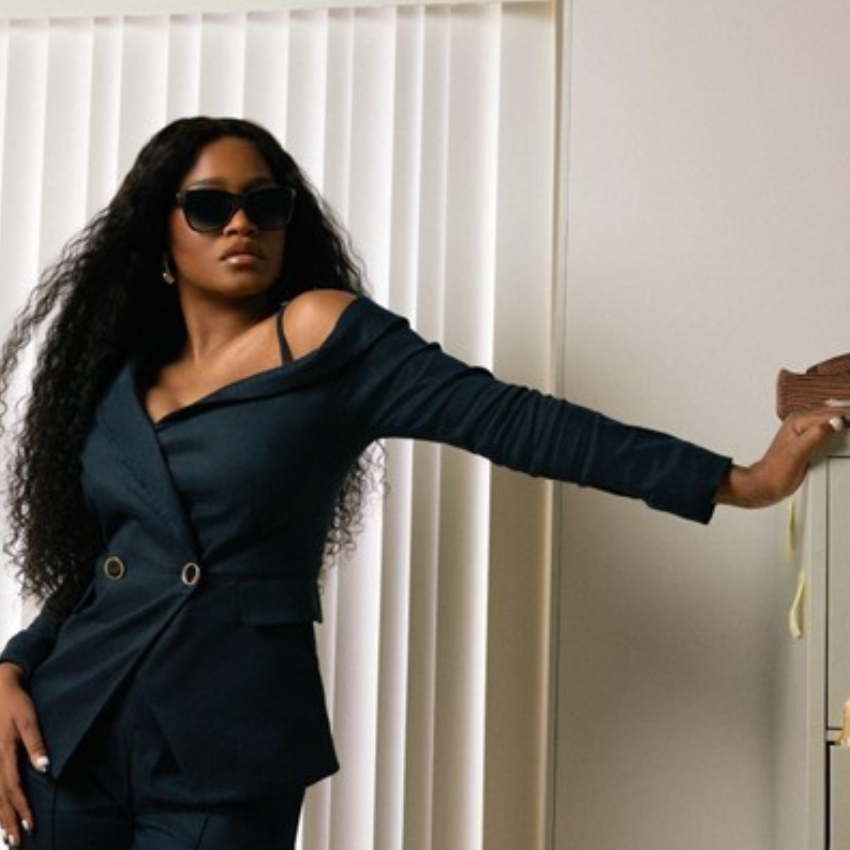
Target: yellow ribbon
column 795, row 615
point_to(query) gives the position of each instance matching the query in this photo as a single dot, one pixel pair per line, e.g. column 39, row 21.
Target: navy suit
column 214, row 522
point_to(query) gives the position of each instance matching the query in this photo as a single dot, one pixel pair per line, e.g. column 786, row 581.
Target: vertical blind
column 431, row 130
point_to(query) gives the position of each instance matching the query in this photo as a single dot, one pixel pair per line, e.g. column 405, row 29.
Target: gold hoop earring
column 167, row 274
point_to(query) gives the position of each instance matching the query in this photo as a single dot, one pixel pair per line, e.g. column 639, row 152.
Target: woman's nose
column 240, row 223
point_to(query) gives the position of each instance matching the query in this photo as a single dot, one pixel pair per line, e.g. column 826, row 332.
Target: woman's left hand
column 782, row 468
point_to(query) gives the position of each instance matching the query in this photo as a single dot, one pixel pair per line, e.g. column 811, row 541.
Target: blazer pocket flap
column 269, row 602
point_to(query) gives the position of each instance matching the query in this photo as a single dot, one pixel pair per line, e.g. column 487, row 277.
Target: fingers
column 16, row 818
column 817, row 426
column 798, row 442
column 30, row 733
column 18, row 728
column 15, row 813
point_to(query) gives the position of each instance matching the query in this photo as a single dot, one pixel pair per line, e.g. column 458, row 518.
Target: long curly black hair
column 106, row 302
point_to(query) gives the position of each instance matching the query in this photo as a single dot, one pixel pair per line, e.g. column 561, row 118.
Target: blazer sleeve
column 28, row 648
column 403, row 386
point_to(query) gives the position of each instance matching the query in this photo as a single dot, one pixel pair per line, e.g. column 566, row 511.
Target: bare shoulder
column 309, row 319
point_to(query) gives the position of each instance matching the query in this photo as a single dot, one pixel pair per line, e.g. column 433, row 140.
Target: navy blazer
column 214, row 522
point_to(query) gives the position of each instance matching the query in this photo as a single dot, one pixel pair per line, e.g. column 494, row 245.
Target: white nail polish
column 25, row 824
column 42, row 763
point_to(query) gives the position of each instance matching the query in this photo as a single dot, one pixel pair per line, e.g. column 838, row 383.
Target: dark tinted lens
column 270, row 208
column 208, row 209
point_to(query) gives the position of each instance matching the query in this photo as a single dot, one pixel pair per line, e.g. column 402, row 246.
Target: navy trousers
column 123, row 790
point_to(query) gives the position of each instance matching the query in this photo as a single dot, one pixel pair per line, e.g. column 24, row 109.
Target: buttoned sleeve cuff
column 697, row 502
column 30, row 647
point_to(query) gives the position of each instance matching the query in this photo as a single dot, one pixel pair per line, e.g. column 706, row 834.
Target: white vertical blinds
column 431, row 131
column 94, row 8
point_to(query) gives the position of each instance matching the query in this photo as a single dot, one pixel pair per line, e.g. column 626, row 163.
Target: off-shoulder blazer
column 214, row 521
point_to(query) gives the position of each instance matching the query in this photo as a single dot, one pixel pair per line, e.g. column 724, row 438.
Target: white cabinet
column 813, row 775
column 839, row 797
column 838, row 590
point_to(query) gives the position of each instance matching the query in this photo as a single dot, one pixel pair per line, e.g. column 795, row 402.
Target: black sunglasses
column 209, row 210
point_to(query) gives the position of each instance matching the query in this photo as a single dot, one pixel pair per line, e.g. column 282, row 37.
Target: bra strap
column 285, row 353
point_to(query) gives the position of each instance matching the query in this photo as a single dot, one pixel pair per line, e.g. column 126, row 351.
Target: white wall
column 709, row 192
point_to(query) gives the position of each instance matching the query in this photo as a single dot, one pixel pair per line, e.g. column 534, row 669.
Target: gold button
column 113, row 568
column 190, row 575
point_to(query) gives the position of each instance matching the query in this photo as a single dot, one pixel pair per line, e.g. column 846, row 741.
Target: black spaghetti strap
column 285, row 353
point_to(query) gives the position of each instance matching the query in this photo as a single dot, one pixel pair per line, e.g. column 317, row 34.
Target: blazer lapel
column 127, row 434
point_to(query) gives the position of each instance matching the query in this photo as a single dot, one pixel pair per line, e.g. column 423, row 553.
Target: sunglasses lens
column 207, row 210
column 271, row 208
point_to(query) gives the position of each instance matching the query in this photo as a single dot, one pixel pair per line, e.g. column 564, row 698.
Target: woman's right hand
column 18, row 728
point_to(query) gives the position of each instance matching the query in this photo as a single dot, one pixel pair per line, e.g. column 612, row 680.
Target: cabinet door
column 839, row 798
column 838, row 592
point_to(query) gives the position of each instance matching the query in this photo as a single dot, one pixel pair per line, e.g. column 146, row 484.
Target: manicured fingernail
column 26, row 825
column 837, row 423
column 42, row 763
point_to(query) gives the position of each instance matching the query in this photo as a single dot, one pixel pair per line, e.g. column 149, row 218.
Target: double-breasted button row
column 190, row 575
column 115, row 569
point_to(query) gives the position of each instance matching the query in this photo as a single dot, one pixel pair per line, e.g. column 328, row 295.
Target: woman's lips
column 242, row 253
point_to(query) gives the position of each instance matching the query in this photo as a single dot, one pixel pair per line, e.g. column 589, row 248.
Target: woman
column 190, row 450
